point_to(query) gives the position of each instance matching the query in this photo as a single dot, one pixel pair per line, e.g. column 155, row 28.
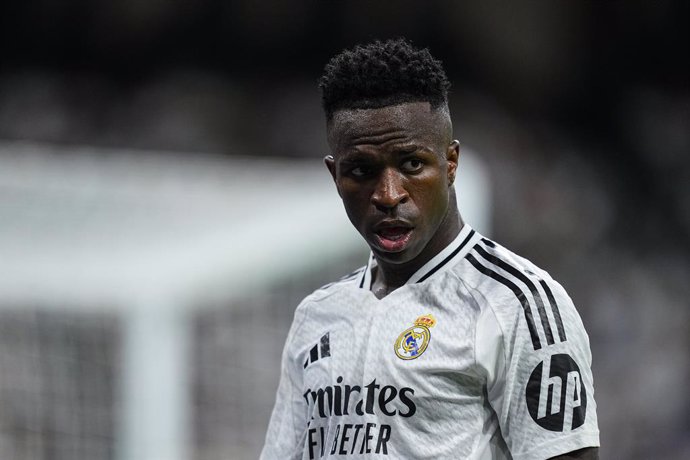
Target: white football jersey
column 480, row 355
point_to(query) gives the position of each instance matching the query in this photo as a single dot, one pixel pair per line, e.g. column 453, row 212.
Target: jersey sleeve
column 288, row 426
column 537, row 361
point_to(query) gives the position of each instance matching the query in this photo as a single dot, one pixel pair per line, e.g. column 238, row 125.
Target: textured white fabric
column 496, row 337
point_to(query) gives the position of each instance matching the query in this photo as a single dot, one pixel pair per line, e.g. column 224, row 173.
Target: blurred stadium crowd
column 581, row 111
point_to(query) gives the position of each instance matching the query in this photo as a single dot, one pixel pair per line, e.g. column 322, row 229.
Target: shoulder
column 351, row 279
column 321, row 307
column 348, row 281
column 497, row 264
column 519, row 293
column 331, row 289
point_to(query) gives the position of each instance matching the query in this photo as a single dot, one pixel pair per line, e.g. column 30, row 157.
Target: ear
column 452, row 157
column 330, row 164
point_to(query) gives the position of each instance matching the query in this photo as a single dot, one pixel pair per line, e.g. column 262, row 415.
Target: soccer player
column 446, row 345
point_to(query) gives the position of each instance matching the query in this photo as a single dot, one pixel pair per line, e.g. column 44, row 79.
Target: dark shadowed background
column 579, row 110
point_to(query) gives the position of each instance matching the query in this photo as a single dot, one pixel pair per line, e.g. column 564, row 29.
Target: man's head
column 393, row 158
column 381, row 74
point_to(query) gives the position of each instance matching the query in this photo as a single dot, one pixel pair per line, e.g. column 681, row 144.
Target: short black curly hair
column 380, row 74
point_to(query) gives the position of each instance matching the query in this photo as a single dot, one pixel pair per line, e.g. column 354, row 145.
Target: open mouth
column 393, row 239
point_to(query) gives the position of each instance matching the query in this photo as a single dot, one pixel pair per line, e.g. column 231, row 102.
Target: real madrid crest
column 414, row 341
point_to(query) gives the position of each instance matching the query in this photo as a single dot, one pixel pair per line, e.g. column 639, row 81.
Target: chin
column 398, row 257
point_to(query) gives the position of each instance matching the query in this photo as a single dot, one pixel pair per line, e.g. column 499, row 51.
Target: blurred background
column 164, row 208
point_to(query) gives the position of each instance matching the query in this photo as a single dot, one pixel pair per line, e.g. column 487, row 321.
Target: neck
column 389, row 277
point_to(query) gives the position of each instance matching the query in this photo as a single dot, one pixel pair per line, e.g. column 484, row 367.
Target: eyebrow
column 407, row 149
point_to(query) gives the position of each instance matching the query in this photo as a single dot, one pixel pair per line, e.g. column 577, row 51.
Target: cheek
column 355, row 202
column 433, row 198
column 351, row 196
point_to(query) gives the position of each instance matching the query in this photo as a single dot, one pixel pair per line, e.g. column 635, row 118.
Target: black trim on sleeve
column 530, row 285
column 536, row 343
column 556, row 311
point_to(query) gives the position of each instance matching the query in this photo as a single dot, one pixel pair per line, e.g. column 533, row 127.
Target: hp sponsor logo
column 556, row 396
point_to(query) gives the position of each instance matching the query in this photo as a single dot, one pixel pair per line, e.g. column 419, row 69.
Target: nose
column 389, row 191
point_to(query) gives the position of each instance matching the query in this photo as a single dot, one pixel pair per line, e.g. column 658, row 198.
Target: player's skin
column 394, row 168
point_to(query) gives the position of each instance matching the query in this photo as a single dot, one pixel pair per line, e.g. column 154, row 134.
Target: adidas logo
column 320, row 350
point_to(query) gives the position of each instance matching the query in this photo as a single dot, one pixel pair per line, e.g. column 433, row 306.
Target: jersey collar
column 456, row 250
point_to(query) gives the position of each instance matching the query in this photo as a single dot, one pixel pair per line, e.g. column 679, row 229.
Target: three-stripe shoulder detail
column 523, row 284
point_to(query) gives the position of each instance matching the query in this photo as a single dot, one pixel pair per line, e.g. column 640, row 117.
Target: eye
column 360, row 171
column 412, row 165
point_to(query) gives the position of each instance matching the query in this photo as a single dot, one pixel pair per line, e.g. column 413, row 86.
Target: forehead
column 412, row 121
